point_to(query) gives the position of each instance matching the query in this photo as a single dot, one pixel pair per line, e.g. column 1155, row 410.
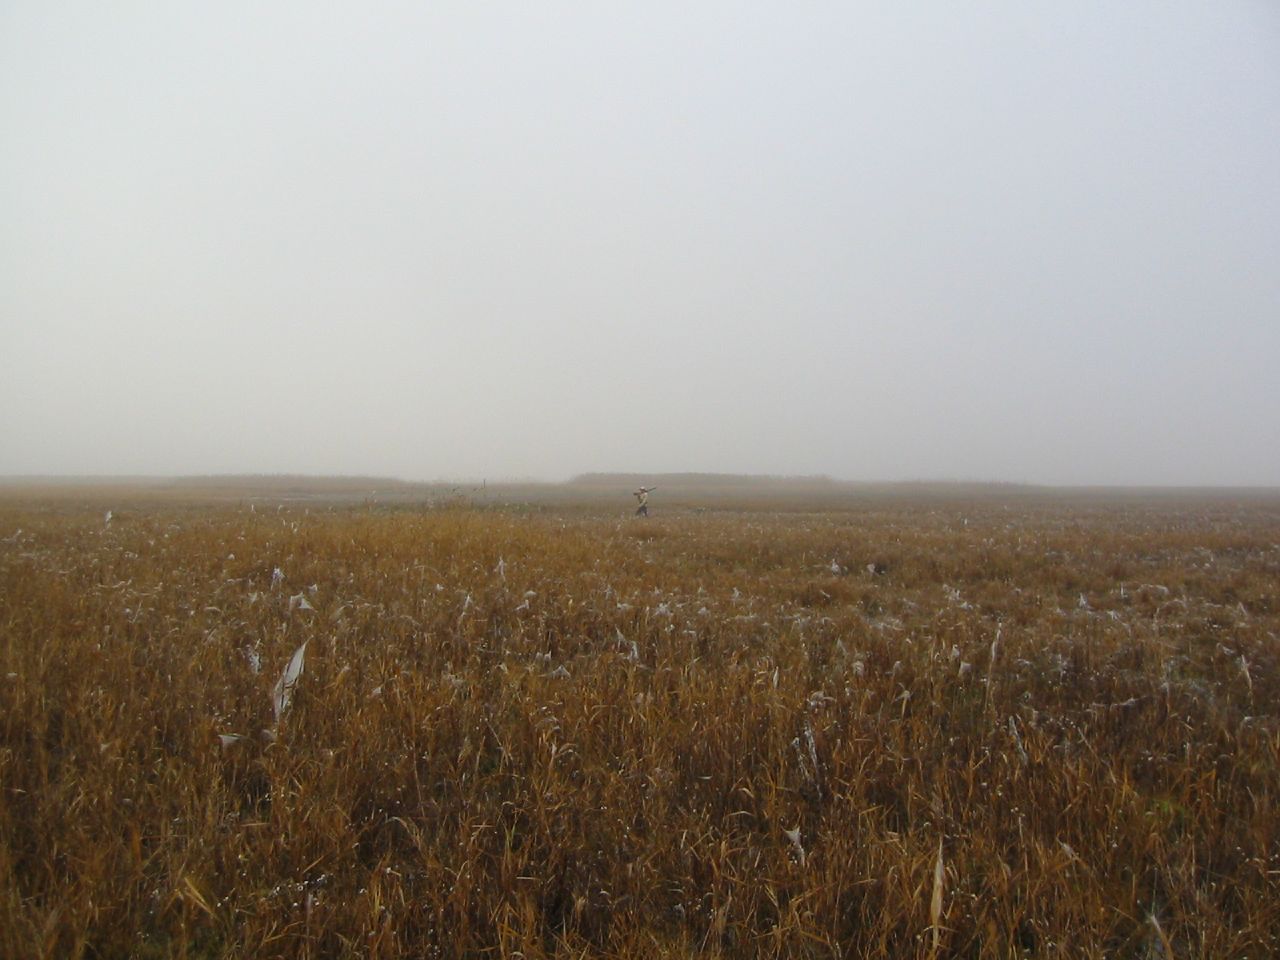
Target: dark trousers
column 642, row 510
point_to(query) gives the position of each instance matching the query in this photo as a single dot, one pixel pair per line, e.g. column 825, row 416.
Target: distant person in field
column 642, row 496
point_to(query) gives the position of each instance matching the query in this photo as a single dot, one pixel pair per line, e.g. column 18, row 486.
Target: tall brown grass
column 570, row 734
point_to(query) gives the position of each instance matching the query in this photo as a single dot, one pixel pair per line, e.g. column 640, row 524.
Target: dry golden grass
column 1034, row 729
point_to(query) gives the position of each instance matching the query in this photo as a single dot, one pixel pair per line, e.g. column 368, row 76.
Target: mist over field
column 654, row 481
column 1022, row 243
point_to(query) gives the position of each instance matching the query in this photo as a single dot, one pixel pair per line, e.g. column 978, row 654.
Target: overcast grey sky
column 1017, row 241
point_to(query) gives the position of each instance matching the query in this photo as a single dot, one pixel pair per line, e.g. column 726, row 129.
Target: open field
column 852, row 725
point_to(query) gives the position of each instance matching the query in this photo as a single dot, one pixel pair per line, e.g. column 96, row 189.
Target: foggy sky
column 1013, row 241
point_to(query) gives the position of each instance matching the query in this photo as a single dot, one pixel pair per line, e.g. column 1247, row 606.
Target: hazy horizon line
column 586, row 477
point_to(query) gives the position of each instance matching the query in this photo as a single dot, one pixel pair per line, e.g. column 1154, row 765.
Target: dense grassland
column 907, row 729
